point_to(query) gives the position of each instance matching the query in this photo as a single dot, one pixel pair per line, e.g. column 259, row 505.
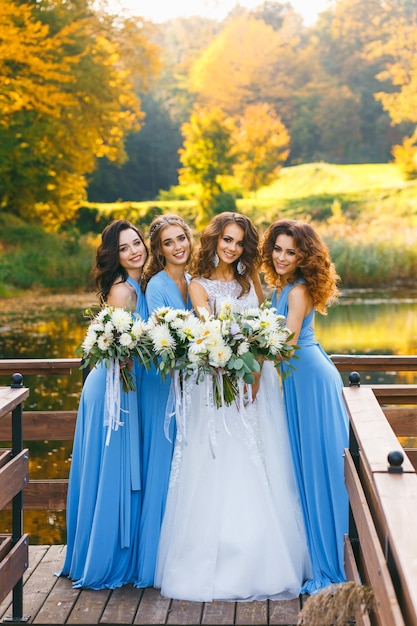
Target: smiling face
column 231, row 243
column 284, row 255
column 132, row 252
column 175, row 246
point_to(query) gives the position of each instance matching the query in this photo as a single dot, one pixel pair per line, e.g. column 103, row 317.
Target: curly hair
column 313, row 262
column 204, row 260
column 107, row 268
column 157, row 260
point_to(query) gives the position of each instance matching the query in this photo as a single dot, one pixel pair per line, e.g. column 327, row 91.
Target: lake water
column 42, row 326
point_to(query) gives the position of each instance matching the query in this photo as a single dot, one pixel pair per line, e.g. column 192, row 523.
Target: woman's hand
column 255, row 384
column 127, row 363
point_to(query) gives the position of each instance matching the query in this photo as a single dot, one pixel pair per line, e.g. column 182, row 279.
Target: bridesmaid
column 166, row 284
column 104, row 491
column 298, row 265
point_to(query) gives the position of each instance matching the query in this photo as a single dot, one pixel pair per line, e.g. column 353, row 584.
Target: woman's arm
column 258, row 287
column 198, row 296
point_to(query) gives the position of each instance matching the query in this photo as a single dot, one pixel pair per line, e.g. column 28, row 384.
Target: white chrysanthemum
column 161, row 312
column 162, row 338
column 213, row 326
column 268, row 320
column 104, row 343
column 203, row 313
column 138, row 328
column 97, row 327
column 170, row 316
column 219, row 356
column 216, row 341
column 191, row 327
column 275, row 342
column 197, row 346
column 228, row 307
column 254, row 324
column 195, row 358
column 102, row 314
column 126, row 340
column 252, row 312
column 109, row 328
column 121, row 319
column 243, row 348
column 89, row 340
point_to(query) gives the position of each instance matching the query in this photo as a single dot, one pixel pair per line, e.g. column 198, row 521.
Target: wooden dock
column 380, row 548
column 48, row 599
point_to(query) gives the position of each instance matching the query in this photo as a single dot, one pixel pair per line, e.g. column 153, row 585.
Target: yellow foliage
column 68, row 95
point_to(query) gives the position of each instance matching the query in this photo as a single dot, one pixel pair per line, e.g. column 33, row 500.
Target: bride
column 233, row 527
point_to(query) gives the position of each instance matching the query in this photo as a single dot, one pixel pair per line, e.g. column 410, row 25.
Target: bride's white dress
column 233, row 526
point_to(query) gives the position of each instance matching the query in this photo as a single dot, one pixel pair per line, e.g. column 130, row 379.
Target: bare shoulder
column 299, row 296
column 196, row 288
column 122, row 295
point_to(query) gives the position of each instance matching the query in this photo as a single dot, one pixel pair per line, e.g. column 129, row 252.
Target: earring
column 216, row 259
column 241, row 267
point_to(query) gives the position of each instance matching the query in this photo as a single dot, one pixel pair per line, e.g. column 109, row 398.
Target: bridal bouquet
column 114, row 336
column 230, row 346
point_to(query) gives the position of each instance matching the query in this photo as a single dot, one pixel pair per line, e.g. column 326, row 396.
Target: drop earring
column 241, row 268
column 216, row 259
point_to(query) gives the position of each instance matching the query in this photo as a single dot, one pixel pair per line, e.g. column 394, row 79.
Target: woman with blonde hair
column 298, row 267
column 165, row 282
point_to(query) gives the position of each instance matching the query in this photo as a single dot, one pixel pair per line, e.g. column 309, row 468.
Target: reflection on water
column 39, row 327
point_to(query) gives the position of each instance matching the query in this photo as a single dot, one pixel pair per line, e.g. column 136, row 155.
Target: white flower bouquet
column 230, row 347
column 171, row 331
column 116, row 335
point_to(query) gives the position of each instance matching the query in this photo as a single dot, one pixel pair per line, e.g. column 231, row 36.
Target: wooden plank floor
column 48, row 599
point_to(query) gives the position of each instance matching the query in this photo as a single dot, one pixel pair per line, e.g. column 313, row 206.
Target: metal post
column 17, row 505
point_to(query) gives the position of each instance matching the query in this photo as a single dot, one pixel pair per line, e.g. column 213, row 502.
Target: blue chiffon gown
column 104, row 491
column 318, row 425
column 157, row 449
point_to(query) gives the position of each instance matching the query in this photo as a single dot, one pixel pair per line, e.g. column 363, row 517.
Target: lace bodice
column 218, row 291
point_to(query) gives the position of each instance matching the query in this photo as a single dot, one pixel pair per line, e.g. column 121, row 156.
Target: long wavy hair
column 107, row 268
column 157, row 259
column 204, row 259
column 313, row 262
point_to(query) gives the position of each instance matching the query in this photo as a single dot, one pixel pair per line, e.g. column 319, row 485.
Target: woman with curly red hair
column 297, row 264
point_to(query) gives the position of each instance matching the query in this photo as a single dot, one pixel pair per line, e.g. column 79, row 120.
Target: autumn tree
column 207, row 155
column 241, row 67
column 396, row 47
column 262, row 144
column 68, row 83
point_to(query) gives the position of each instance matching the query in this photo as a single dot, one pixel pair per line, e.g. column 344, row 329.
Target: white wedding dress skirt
column 233, row 526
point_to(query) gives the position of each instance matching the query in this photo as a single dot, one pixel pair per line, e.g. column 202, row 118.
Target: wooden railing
column 381, row 548
column 14, row 475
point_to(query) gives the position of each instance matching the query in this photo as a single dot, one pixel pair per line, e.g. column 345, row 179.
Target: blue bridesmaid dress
column 156, row 448
column 104, row 491
column 319, row 432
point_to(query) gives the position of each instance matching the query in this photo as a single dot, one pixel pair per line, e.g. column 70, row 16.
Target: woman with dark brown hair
column 298, row 266
column 232, row 528
column 104, row 490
